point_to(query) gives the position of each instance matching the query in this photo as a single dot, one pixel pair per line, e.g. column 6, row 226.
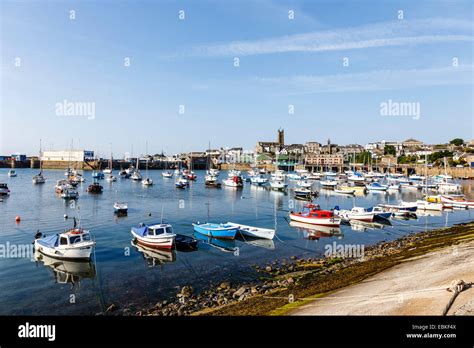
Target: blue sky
column 190, row 62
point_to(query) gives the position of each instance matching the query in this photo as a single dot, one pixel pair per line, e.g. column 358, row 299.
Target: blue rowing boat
column 223, row 231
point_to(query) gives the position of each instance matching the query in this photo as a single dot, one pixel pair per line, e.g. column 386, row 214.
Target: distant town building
column 18, row 157
column 67, row 156
column 320, row 159
column 312, row 147
column 271, row 147
column 412, row 143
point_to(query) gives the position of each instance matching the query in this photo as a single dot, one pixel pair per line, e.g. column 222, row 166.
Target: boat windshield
column 157, row 231
column 86, row 236
column 74, row 239
column 169, row 229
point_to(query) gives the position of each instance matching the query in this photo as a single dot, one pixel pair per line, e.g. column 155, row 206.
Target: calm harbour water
column 122, row 274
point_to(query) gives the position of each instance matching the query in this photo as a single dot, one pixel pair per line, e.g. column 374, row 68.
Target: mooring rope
column 456, row 287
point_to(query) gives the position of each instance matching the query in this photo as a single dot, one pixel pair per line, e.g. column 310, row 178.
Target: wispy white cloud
column 367, row 81
column 399, row 33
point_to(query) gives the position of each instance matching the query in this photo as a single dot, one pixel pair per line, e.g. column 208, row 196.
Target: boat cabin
column 314, row 211
column 159, row 229
column 74, row 236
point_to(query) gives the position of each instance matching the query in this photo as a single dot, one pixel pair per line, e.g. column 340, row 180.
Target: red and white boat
column 312, row 214
column 458, row 200
column 155, row 235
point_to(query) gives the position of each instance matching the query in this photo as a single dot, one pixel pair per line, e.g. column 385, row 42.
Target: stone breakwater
column 294, row 276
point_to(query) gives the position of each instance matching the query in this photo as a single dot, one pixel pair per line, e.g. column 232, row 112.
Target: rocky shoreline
column 286, row 280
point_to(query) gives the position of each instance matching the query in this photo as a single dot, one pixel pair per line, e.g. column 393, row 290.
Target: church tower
column 281, row 137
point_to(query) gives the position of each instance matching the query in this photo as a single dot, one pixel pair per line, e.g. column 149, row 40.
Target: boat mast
column 41, row 163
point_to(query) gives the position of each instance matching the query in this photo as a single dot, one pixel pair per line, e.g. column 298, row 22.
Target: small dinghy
column 255, row 232
column 11, row 173
column 185, row 243
column 167, row 174
column 75, row 244
column 120, row 208
column 213, row 230
column 154, row 235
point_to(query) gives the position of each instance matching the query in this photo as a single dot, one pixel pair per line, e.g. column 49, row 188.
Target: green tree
column 363, row 157
column 389, row 150
column 457, row 142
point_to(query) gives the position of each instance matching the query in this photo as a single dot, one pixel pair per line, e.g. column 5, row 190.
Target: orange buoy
column 18, row 219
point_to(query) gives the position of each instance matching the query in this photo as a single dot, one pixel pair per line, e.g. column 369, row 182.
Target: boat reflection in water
column 362, row 226
column 225, row 245
column 67, row 272
column 256, row 242
column 315, row 232
column 155, row 257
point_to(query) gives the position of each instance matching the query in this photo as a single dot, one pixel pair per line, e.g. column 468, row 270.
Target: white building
column 67, row 156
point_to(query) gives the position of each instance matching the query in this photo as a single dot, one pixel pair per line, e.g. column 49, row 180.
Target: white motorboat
column 12, row 173
column 303, row 192
column 107, row 171
column 120, row 207
column 4, row 191
column 73, row 244
column 356, row 213
column 259, row 180
column 255, row 232
column 154, row 235
column 167, row 174
column 278, row 184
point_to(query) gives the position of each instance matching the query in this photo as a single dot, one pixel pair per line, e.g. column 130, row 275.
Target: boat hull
column 165, row 242
column 329, row 222
column 222, row 233
column 76, row 253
